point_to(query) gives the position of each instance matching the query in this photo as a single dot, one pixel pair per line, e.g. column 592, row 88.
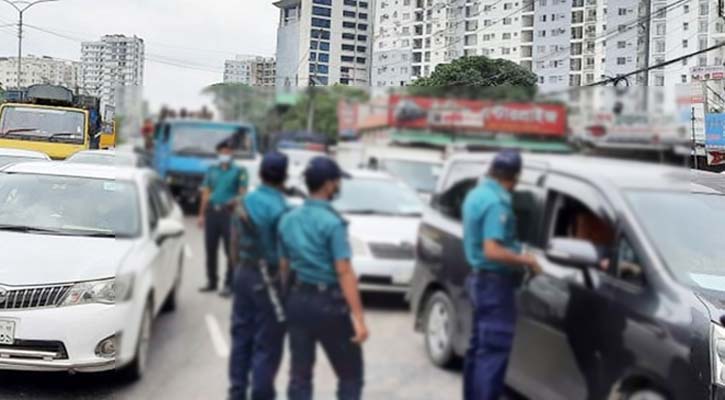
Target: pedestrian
column 323, row 303
column 257, row 314
column 219, row 190
column 492, row 249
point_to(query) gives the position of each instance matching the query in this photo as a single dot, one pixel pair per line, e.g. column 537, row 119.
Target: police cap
column 507, row 161
column 274, row 166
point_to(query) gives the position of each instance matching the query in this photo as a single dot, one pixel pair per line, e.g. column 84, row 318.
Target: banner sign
column 477, row 116
column 710, row 73
column 715, row 131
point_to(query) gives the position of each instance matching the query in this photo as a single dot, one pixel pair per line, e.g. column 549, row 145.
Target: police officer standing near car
column 491, row 245
column 257, row 311
column 323, row 303
column 223, row 183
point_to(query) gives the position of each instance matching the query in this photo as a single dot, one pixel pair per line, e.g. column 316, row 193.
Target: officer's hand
column 361, row 331
column 533, row 264
column 200, row 221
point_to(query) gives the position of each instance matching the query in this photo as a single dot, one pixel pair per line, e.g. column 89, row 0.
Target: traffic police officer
column 221, row 186
column 492, row 249
column 323, row 304
column 257, row 314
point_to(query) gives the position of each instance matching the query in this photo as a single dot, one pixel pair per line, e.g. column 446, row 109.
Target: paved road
column 189, row 356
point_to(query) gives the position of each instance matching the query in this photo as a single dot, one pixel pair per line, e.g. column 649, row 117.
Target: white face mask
column 225, row 158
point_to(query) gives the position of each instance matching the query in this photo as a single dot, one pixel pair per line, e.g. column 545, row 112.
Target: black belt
column 218, row 208
column 315, row 287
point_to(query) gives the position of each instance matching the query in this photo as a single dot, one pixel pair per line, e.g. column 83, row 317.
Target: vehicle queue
column 611, row 294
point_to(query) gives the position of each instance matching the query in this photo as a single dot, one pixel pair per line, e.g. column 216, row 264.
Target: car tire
column 438, row 329
column 136, row 369
column 171, row 299
column 644, row 394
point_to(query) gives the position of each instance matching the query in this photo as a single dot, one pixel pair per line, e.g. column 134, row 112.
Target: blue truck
column 185, row 148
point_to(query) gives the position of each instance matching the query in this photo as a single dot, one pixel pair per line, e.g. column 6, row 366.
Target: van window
column 529, row 214
column 629, row 268
column 450, row 203
column 464, row 170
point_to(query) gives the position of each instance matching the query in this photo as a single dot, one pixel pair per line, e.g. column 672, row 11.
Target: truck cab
column 50, row 119
column 184, row 149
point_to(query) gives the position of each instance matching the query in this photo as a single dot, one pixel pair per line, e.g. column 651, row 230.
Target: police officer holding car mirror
column 323, row 302
column 492, row 249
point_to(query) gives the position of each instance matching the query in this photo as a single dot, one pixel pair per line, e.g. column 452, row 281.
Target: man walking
column 221, row 186
column 491, row 245
column 323, row 304
column 257, row 313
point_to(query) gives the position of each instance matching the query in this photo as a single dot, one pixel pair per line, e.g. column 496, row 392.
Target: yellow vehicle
column 52, row 120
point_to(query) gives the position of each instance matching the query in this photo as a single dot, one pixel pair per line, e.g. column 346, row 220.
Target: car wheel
column 171, row 299
column 137, row 368
column 439, row 317
column 644, row 394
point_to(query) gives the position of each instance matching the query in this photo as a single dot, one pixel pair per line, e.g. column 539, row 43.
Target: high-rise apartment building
column 113, row 62
column 37, row 70
column 324, row 41
column 250, row 70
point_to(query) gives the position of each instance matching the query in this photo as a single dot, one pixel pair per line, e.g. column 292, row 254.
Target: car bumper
column 378, row 275
column 77, row 330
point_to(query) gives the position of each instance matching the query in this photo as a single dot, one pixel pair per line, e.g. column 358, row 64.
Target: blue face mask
column 225, row 158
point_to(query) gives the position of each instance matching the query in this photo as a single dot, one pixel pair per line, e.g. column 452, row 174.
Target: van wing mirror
column 572, row 252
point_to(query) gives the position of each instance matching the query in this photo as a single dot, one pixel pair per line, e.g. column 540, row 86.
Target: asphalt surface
column 189, row 355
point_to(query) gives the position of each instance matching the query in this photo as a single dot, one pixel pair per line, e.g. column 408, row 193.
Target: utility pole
column 312, row 82
column 647, row 35
column 21, row 6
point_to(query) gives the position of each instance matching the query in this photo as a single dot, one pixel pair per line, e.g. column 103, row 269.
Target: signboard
column 710, row 73
column 715, row 131
column 346, row 118
column 477, row 116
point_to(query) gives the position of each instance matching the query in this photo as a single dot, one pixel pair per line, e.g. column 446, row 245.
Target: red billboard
column 477, row 116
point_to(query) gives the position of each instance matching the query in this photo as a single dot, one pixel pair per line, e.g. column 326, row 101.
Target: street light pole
column 21, row 6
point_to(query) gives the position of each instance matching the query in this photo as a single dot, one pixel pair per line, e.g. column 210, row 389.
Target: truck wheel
column 439, row 322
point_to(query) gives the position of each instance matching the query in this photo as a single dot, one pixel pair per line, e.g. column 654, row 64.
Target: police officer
column 323, row 303
column 257, row 314
column 492, row 249
column 221, row 186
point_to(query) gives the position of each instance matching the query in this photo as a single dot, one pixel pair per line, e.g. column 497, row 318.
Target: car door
column 562, row 311
column 162, row 279
column 174, row 247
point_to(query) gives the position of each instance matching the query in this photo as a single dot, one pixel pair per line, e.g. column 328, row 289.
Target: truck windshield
column 203, row 140
column 43, row 124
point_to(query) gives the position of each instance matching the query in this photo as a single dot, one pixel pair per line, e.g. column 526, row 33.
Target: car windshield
column 32, row 123
column 203, row 140
column 694, row 251
column 68, row 205
column 103, row 159
column 420, row 175
column 7, row 160
column 378, row 196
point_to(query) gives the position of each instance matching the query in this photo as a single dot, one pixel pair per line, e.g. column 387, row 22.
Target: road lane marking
column 217, row 337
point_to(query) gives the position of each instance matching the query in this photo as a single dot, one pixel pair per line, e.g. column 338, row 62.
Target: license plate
column 7, row 332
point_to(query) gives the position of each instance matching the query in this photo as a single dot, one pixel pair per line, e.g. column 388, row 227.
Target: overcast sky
column 201, row 33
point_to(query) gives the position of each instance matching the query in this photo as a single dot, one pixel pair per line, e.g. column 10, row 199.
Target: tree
column 240, row 102
column 325, row 101
column 478, row 77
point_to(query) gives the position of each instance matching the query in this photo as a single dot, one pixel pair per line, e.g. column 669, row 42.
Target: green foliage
column 240, row 102
column 326, row 100
column 478, row 77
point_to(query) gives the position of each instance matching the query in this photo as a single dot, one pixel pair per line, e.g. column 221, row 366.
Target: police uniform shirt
column 488, row 215
column 313, row 237
column 264, row 207
column 224, row 184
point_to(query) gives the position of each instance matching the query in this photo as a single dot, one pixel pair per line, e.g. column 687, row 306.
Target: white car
column 383, row 215
column 9, row 156
column 91, row 254
column 110, row 157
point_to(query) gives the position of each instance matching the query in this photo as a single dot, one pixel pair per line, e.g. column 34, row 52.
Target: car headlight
column 359, row 247
column 106, row 291
column 717, row 354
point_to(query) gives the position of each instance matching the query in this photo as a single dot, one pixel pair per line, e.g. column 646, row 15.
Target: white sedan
column 91, row 254
column 9, row 156
column 384, row 215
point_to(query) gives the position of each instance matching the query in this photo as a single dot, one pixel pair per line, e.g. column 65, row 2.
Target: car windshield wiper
column 369, row 211
column 18, row 130
column 193, row 150
column 30, row 229
column 62, row 134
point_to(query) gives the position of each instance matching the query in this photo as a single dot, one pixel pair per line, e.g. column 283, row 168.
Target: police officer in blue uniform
column 222, row 185
column 494, row 252
column 323, row 303
column 257, row 312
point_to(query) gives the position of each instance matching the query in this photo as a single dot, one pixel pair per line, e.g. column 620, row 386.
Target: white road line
column 217, row 337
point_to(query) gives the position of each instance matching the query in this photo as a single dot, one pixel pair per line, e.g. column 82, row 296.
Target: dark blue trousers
column 492, row 296
column 257, row 338
column 322, row 316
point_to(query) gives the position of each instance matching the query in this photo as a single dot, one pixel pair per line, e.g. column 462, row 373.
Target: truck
column 184, row 149
column 53, row 120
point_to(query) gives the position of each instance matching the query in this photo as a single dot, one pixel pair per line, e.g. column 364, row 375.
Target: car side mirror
column 167, row 228
column 572, row 252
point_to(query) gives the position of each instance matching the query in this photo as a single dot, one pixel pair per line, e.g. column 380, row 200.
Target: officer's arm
column 342, row 253
column 205, row 192
column 243, row 181
column 496, row 252
column 494, row 233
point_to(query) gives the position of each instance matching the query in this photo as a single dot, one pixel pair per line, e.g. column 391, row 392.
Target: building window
column 684, row 44
column 621, row 60
column 349, row 14
column 323, row 2
column 507, row 6
column 321, row 23
column 686, row 9
column 622, row 11
column 704, row 9
column 660, row 46
column 683, row 78
column 660, row 29
column 350, row 25
column 322, row 11
column 659, row 80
